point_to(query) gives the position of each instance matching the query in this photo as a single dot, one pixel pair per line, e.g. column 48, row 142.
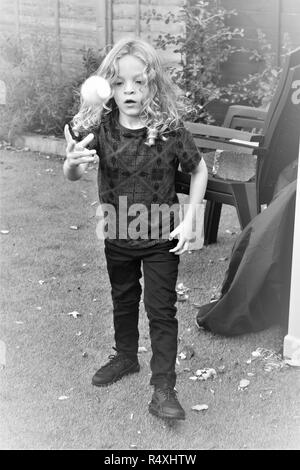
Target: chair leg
column 211, row 221
column 245, row 201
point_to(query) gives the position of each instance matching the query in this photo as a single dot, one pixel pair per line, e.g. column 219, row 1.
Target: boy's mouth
column 130, row 102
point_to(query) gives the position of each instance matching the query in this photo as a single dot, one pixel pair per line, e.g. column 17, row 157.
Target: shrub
column 206, row 45
column 258, row 89
column 203, row 48
column 39, row 97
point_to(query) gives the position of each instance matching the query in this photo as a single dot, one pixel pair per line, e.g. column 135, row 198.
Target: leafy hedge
column 42, row 99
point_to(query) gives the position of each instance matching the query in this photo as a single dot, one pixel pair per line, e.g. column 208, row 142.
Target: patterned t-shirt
column 137, row 181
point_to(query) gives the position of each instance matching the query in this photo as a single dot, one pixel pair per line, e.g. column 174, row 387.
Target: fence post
column 17, row 18
column 57, row 37
column 109, row 22
column 278, row 32
column 101, row 36
column 137, row 17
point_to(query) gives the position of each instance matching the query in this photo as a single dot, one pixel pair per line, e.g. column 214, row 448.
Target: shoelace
column 114, row 357
column 168, row 392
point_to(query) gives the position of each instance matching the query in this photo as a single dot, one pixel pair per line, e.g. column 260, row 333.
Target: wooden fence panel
column 95, row 23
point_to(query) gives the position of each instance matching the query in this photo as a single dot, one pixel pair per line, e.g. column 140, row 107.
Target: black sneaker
column 164, row 403
column 117, row 366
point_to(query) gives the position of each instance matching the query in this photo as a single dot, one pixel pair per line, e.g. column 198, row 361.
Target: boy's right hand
column 76, row 152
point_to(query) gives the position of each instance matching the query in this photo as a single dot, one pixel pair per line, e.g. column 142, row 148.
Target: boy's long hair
column 159, row 111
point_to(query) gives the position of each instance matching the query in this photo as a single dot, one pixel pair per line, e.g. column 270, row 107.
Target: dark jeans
column 160, row 276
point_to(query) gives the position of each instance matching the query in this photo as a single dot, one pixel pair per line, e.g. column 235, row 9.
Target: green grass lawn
column 51, row 354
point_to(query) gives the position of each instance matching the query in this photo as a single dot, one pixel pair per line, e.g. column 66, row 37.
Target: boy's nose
column 129, row 88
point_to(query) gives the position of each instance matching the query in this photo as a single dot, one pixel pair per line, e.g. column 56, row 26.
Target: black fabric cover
column 255, row 290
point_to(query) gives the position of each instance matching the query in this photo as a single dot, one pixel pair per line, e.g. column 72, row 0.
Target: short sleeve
column 187, row 151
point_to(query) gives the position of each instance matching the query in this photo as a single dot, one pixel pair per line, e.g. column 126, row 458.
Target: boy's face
column 130, row 88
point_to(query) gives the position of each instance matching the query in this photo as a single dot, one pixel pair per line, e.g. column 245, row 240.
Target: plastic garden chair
column 275, row 149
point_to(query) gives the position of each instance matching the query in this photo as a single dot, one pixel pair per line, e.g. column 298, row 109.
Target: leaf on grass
column 74, row 227
column 41, row 282
column 244, row 383
column 79, row 333
column 181, row 288
column 133, row 446
column 225, row 258
column 182, row 297
column 84, row 354
column 63, row 397
column 193, row 377
column 200, row 407
column 256, row 353
column 215, row 297
column 196, row 305
column 4, row 232
column 74, row 314
column 206, row 373
column 19, row 322
column 187, row 352
column 94, row 203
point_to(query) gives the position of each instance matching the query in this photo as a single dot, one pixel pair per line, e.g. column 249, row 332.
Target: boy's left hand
column 184, row 231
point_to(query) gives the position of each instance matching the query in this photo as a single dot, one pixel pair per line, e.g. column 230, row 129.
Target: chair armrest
column 216, row 137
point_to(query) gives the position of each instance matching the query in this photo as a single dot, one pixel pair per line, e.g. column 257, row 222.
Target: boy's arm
column 184, row 230
column 197, row 188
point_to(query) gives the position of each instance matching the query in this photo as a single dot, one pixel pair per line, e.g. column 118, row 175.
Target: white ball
column 95, row 90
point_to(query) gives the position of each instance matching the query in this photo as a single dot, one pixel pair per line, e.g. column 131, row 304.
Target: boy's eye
column 118, row 83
